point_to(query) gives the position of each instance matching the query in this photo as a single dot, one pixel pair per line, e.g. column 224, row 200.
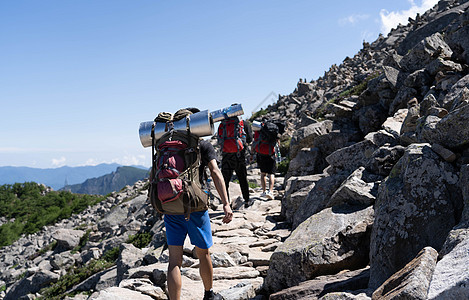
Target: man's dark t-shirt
column 207, row 153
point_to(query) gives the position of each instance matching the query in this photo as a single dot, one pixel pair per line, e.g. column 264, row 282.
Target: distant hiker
column 265, row 141
column 234, row 135
column 176, row 192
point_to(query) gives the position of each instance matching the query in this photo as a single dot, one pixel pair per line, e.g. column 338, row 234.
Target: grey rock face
column 324, row 285
column 458, row 38
column 425, row 51
column 318, row 197
column 68, row 238
column 412, row 281
column 434, row 26
column 384, row 158
column 130, row 257
column 31, row 285
column 304, row 163
column 457, row 94
column 304, row 137
column 464, row 184
column 354, row 191
column 413, row 210
column 451, row 277
column 296, row 191
column 371, row 117
column 352, row 157
column 118, row 293
column 321, row 245
column 451, row 131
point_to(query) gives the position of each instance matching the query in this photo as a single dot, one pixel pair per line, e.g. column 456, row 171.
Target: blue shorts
column 198, row 227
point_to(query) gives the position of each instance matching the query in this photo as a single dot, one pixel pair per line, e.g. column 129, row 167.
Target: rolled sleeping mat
column 200, row 124
column 256, row 125
column 227, row 112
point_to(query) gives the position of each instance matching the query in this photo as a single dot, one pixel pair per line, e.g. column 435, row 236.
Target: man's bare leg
column 174, row 272
column 271, row 182
column 205, row 267
column 263, row 182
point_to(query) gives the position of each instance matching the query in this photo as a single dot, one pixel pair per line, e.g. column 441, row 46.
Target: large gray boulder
column 352, row 157
column 129, row 257
column 451, row 131
column 458, row 39
column 354, row 191
column 327, row 242
column 31, row 284
column 412, row 281
column 383, row 159
column 67, row 239
column 304, row 163
column 144, row 286
column 415, row 208
column 97, row 282
column 118, row 293
column 304, row 137
column 464, row 184
column 113, row 219
column 296, row 191
column 456, row 94
column 419, row 47
column 371, row 117
column 321, row 285
column 318, row 197
column 451, row 276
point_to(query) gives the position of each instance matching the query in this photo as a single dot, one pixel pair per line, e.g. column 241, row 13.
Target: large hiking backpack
column 266, row 138
column 175, row 187
column 231, row 135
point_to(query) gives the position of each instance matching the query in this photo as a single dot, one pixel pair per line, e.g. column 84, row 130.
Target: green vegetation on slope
column 28, row 207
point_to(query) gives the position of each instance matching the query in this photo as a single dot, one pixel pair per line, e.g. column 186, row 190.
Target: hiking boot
column 264, row 194
column 269, row 195
column 209, row 295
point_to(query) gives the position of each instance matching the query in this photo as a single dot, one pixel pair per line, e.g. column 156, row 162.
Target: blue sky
column 78, row 77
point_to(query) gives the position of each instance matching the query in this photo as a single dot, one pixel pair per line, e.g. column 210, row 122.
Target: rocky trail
column 240, row 254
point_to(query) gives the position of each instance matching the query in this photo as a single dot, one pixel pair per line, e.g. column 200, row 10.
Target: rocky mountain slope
column 374, row 204
column 54, row 177
column 108, row 183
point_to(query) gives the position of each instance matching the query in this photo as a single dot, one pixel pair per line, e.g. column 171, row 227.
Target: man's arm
column 220, row 186
column 248, row 131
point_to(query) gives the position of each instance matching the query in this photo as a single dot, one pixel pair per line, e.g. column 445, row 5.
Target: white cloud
column 127, row 160
column 391, row 19
column 353, row 19
column 92, row 162
column 58, row 162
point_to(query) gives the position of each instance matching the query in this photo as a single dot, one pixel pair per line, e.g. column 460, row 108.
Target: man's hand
column 228, row 214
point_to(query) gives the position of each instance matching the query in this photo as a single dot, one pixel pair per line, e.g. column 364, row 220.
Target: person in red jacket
column 234, row 135
column 265, row 141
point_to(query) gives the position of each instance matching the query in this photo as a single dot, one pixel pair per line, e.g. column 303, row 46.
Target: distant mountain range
column 59, row 177
column 112, row 182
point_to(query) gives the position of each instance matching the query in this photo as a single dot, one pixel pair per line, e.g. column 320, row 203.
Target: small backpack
column 175, row 187
column 266, row 138
column 231, row 135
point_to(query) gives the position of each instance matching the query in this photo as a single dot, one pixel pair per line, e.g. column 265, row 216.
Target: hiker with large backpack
column 234, row 135
column 265, row 141
column 176, row 192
